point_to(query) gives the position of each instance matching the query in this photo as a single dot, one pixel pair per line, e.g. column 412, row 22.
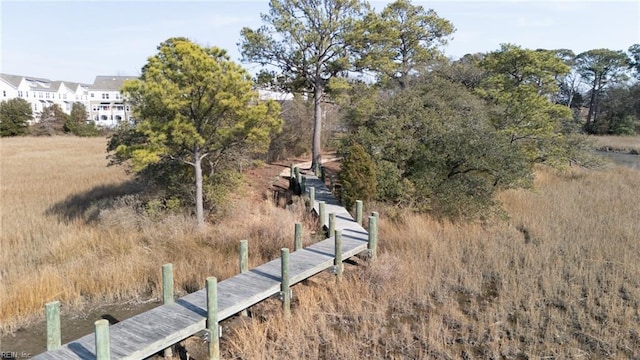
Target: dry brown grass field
column 62, row 240
column 625, row 144
column 560, row 278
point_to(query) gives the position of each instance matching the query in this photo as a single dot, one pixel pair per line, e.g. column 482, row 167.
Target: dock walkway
column 149, row 333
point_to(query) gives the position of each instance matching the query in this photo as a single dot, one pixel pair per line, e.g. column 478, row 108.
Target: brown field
column 624, row 144
column 62, row 240
column 560, row 278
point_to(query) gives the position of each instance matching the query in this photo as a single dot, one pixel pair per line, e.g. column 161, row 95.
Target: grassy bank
column 621, row 144
column 560, row 279
column 62, row 238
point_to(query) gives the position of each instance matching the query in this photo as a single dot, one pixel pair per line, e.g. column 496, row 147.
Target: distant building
column 42, row 93
column 107, row 107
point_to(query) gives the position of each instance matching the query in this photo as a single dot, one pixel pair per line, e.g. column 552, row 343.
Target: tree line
column 16, row 119
column 416, row 129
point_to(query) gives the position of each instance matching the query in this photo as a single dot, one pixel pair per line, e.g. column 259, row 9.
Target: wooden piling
column 303, row 185
column 337, row 260
column 297, row 237
column 244, row 256
column 167, row 297
column 312, row 197
column 244, row 264
column 323, row 174
column 103, row 351
column 372, row 246
column 332, row 223
column 285, row 291
column 359, row 212
column 322, row 214
column 52, row 313
column 291, row 171
column 212, row 318
column 167, row 284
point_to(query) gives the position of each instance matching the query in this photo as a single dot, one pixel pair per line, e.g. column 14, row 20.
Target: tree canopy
column 401, row 39
column 15, row 115
column 307, row 41
column 197, row 109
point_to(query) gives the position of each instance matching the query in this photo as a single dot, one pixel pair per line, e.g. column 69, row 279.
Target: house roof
column 13, row 80
column 110, row 83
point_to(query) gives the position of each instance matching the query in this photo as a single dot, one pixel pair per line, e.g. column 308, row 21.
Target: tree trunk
column 316, row 161
column 197, row 164
column 592, row 102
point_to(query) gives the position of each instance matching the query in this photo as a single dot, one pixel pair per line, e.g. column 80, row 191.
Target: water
column 629, row 160
column 30, row 341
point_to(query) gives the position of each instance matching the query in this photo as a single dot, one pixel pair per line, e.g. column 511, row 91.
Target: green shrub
column 358, row 176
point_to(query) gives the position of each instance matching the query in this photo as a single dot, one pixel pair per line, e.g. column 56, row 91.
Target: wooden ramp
column 149, row 333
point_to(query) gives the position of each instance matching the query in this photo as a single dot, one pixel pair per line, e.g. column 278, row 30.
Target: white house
column 42, row 93
column 107, row 107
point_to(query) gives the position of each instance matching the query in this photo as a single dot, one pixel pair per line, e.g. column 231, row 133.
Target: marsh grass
column 623, row 144
column 73, row 231
column 559, row 279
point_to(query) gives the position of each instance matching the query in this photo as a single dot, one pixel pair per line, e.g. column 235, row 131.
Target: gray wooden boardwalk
column 148, row 333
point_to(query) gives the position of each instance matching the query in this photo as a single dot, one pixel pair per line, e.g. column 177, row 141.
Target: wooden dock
column 149, row 333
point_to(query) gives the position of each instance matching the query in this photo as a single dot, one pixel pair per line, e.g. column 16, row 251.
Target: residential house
column 42, row 93
column 107, row 107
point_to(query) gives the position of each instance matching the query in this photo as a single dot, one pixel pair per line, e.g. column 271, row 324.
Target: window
column 118, row 96
column 27, row 94
column 105, row 96
column 19, row 93
column 104, row 107
column 95, row 118
column 104, row 117
column 92, row 94
column 64, row 96
column 120, row 108
column 94, row 108
column 40, row 95
column 35, row 106
column 127, row 108
column 118, row 117
column 4, row 93
column 46, row 95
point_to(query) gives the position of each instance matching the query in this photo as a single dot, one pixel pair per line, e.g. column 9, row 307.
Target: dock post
column 284, row 285
column 332, row 183
column 297, row 237
column 167, row 284
column 337, row 261
column 323, row 174
column 377, row 215
column 312, row 197
column 52, row 312
column 372, row 246
column 244, row 264
column 244, row 256
column 103, row 352
column 167, row 296
column 291, row 173
column 332, row 223
column 296, row 171
column 322, row 214
column 303, row 185
column 359, row 212
column 212, row 318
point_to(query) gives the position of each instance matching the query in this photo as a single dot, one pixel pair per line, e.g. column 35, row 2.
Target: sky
column 78, row 40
